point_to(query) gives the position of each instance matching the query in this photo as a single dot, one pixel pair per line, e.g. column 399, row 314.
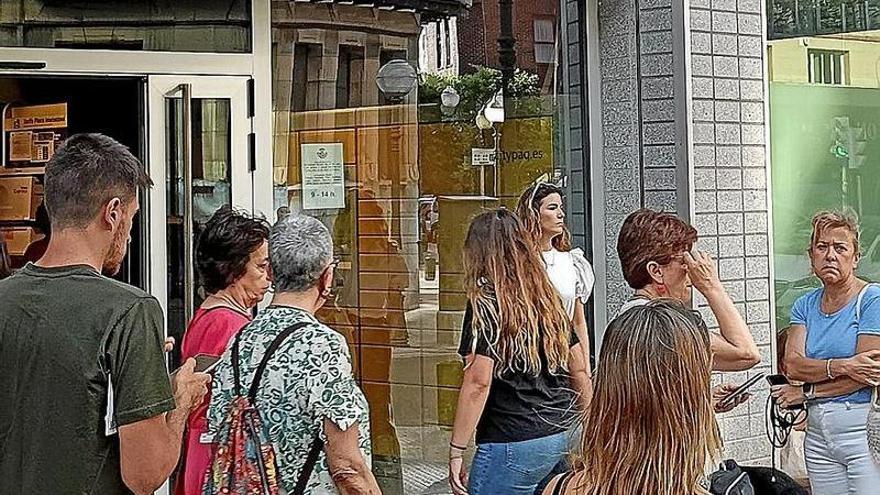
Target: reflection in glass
column 828, row 140
column 411, row 187
column 211, row 169
column 183, row 25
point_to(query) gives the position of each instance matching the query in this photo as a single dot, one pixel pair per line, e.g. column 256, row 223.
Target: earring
column 661, row 289
column 325, row 293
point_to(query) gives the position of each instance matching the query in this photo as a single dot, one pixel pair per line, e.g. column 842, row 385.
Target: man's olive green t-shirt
column 64, row 332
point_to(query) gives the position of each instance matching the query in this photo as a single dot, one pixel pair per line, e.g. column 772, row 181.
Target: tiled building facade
column 677, row 99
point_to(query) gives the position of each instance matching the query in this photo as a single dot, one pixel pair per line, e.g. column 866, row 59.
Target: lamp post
column 506, row 43
column 396, row 80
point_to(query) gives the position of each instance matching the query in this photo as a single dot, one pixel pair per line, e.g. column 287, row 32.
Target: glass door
column 200, row 161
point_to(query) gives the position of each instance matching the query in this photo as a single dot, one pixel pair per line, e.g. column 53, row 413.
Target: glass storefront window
column 417, row 166
column 824, row 124
column 179, row 26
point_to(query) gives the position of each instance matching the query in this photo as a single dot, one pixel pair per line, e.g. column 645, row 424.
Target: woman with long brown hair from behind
column 651, row 427
column 524, row 375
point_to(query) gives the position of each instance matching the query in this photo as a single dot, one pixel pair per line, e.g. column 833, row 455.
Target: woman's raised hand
column 702, row 271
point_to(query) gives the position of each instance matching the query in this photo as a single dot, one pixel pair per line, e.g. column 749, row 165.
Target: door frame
column 242, row 180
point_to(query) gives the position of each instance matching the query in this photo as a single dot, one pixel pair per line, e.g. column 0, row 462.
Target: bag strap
column 258, row 374
column 562, row 483
column 874, row 396
column 859, row 300
column 305, row 473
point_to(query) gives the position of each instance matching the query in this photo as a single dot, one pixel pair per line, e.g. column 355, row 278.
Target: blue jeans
column 836, row 450
column 516, row 468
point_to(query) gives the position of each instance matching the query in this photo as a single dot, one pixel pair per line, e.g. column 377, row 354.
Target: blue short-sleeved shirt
column 835, row 336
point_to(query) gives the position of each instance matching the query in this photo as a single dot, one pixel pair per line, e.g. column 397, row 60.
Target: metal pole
column 188, row 251
column 506, row 43
column 496, row 138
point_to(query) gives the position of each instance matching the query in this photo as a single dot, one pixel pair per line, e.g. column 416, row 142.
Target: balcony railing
column 796, row 18
column 428, row 9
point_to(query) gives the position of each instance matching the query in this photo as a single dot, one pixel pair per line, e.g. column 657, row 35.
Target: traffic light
column 840, row 137
column 856, row 147
column 848, row 142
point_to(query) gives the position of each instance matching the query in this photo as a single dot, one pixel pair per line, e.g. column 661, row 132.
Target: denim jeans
column 516, row 468
column 836, row 450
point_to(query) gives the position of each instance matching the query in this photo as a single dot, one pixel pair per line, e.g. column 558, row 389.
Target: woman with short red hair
column 658, row 261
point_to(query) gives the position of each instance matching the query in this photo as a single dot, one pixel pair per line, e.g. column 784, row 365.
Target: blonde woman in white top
column 542, row 212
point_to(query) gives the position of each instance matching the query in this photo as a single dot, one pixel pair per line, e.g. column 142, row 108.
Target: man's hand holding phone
column 190, row 386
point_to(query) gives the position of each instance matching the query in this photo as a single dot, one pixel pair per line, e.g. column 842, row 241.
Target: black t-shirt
column 60, row 329
column 521, row 406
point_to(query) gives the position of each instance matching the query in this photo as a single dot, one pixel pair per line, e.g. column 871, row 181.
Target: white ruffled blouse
column 571, row 274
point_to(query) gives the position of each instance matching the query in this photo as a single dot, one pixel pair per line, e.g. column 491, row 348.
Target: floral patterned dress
column 308, row 379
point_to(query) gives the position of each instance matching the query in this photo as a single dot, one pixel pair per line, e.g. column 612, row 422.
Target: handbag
column 730, row 479
column 872, row 425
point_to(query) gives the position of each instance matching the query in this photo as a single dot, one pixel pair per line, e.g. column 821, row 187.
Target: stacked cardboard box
column 18, row 239
column 19, row 198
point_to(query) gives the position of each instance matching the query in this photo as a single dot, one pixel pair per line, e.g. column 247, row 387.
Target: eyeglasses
column 334, row 262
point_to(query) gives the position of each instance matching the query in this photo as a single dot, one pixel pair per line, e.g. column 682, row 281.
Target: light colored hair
column 651, row 426
column 300, row 248
column 515, row 306
column 826, row 220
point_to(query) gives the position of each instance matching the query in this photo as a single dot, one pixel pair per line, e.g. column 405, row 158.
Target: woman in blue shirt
column 834, row 348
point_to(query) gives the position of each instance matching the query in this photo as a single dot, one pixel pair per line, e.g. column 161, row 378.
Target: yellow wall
column 788, row 58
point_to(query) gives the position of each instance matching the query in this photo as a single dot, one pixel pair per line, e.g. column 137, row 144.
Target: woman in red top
column 233, row 261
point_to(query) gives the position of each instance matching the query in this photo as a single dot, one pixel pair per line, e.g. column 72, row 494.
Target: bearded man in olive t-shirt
column 86, row 404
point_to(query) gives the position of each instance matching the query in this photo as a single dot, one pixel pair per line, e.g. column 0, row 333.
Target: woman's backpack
column 244, row 460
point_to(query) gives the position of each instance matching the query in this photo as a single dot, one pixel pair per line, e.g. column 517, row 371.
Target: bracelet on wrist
column 457, row 447
column 828, row 369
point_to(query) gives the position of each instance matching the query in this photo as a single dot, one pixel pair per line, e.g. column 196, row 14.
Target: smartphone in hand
column 205, row 363
column 733, row 396
column 774, row 380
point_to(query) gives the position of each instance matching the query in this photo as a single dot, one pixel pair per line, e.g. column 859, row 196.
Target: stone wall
column 730, row 186
column 683, row 130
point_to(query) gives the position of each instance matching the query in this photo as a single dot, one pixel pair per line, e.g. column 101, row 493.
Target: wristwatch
column 809, row 391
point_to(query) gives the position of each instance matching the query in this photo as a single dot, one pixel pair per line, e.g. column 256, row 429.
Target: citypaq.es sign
column 483, row 157
column 521, row 155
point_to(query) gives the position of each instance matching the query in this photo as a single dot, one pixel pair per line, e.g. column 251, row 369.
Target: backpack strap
column 562, row 483
column 311, row 459
column 261, row 368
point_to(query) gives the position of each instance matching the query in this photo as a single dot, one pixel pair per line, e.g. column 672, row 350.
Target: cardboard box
column 18, row 239
column 33, row 133
column 19, row 197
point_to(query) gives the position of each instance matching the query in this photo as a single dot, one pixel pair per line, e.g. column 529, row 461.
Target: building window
column 545, row 41
column 827, row 67
column 447, row 45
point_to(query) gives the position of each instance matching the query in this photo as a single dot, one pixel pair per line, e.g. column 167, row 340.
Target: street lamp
column 450, row 97
column 490, row 116
column 396, row 79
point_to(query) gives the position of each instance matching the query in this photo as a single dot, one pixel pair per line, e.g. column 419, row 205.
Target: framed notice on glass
column 323, row 176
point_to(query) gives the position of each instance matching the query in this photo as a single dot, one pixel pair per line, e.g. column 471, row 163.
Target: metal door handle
column 188, row 250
